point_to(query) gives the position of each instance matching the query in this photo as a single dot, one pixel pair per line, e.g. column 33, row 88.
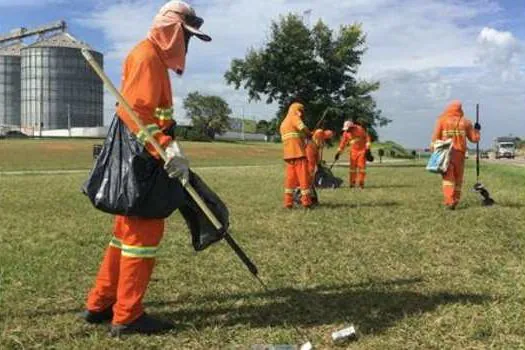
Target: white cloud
column 423, row 52
column 499, row 52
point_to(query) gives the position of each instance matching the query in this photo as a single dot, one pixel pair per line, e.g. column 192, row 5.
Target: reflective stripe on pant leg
column 290, row 183
column 361, row 167
column 104, row 292
column 140, row 241
column 361, row 176
column 139, row 251
column 353, row 176
column 353, row 168
column 457, row 192
column 304, row 181
column 448, row 192
column 450, row 180
column 459, row 170
column 115, row 242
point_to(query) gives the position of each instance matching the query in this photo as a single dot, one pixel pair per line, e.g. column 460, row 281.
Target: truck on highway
column 505, row 147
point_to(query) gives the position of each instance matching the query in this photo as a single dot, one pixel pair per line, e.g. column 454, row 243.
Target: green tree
column 269, row 128
column 381, row 153
column 316, row 66
column 209, row 114
column 262, row 127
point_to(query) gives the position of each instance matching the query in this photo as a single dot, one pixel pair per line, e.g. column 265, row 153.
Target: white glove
column 177, row 165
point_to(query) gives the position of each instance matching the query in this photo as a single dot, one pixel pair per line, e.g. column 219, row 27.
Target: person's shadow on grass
column 372, row 307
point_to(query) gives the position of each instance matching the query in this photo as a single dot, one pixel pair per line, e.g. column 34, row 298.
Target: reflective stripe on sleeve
column 164, row 113
column 152, row 129
column 454, row 132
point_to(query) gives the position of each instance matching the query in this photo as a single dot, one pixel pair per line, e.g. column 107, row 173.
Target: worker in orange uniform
column 314, row 155
column 128, row 263
column 359, row 140
column 315, row 147
column 293, row 135
column 453, row 125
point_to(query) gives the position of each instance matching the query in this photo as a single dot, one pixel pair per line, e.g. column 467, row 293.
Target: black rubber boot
column 97, row 317
column 143, row 325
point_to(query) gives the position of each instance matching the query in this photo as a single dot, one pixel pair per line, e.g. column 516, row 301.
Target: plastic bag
column 127, row 180
column 203, row 232
column 440, row 158
column 324, row 178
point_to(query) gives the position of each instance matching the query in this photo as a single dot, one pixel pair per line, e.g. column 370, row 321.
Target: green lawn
column 388, row 260
column 52, row 154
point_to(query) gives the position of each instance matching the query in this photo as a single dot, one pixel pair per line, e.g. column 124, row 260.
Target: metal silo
column 59, row 89
column 10, row 86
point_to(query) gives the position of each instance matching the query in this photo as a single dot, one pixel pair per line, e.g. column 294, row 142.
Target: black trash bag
column 127, row 180
column 369, row 156
column 324, row 178
column 203, row 233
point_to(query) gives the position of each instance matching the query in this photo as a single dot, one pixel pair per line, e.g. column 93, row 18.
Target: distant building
column 236, row 125
column 48, row 85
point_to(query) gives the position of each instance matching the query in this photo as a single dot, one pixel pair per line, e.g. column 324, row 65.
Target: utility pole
column 41, row 114
column 69, row 119
column 242, row 124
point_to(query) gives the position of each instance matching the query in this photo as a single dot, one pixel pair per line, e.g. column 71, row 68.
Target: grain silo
column 59, row 89
column 10, row 86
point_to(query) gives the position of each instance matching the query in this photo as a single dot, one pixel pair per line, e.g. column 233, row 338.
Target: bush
column 15, row 134
column 191, row 134
column 194, row 135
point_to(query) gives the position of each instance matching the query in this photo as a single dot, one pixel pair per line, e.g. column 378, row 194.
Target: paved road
column 516, row 161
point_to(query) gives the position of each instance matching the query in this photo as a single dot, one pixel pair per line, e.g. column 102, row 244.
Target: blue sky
column 435, row 51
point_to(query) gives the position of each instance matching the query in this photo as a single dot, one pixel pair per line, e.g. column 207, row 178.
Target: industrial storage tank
column 59, row 88
column 10, row 86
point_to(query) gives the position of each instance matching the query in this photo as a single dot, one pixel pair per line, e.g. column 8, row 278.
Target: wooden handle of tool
column 96, row 67
column 477, row 145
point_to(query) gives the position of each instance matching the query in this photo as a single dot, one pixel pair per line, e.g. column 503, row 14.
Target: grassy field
column 47, row 154
column 388, row 260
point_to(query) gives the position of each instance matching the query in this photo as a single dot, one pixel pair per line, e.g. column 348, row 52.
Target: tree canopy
column 209, row 114
column 317, row 66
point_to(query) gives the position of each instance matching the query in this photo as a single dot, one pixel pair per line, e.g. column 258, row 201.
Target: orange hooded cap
column 294, row 108
column 328, row 134
column 170, row 41
column 171, row 30
column 320, row 136
column 454, row 109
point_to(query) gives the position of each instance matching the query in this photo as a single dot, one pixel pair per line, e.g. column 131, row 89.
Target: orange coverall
column 359, row 142
column 314, row 155
column 453, row 125
column 314, row 148
column 127, row 266
column 293, row 134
